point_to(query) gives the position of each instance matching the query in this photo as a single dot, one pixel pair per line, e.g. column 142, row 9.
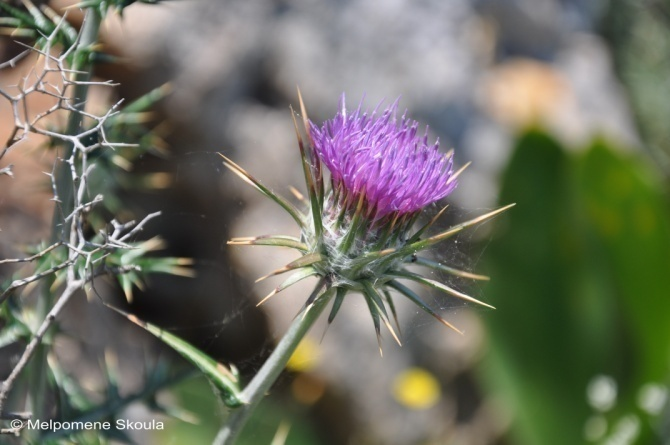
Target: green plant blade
column 223, row 378
column 414, row 298
column 310, row 181
column 376, row 300
column 581, row 274
column 428, row 225
column 246, row 177
column 412, row 248
column 450, row 270
column 270, row 240
column 374, row 312
column 303, row 261
column 439, row 286
column 389, row 301
column 339, row 299
column 290, row 281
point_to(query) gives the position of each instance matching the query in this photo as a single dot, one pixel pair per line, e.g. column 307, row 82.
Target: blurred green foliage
column 581, row 277
column 639, row 37
column 195, row 396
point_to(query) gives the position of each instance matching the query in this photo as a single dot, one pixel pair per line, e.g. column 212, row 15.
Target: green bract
column 358, row 231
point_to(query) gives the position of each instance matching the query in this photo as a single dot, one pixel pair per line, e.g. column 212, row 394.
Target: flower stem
column 254, row 392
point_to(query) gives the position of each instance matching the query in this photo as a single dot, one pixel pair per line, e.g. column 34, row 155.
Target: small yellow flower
column 305, row 358
column 416, row 388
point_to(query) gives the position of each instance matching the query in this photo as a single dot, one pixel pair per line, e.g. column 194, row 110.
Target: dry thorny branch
column 73, row 257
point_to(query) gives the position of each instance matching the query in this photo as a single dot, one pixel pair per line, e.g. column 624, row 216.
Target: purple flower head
column 360, row 233
column 384, row 159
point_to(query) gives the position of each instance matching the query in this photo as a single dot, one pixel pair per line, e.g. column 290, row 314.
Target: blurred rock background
column 479, row 73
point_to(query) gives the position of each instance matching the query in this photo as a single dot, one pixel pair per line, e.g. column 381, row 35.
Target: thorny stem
column 254, row 392
column 35, row 342
column 82, row 72
column 46, row 309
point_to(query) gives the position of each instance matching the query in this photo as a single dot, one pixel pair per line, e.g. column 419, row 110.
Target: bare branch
column 23, row 281
column 140, row 226
column 11, row 63
column 71, row 288
column 33, row 257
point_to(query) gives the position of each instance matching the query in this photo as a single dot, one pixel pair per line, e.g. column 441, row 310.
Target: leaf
column 376, row 300
column 11, row 333
column 246, row 177
column 354, row 227
column 374, row 312
column 388, row 255
column 429, row 224
column 450, row 270
column 422, row 244
column 581, row 274
column 218, row 374
column 389, row 300
column 303, row 261
column 339, row 298
column 310, row 180
column 414, row 298
column 439, row 286
column 534, row 338
column 270, row 240
column 290, row 281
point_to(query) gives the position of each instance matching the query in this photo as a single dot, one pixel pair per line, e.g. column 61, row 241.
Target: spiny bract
column 359, row 231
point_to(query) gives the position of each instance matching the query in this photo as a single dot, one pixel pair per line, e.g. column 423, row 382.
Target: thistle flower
column 358, row 232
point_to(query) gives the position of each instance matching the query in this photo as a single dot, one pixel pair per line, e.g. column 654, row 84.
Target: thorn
column 272, row 274
column 241, row 240
column 458, row 172
column 390, row 328
column 459, row 227
column 325, row 329
column 474, row 276
column 303, row 111
column 297, row 193
column 449, row 325
column 271, row 294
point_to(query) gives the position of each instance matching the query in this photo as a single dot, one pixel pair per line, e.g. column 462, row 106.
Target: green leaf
column 375, row 299
column 223, row 378
column 389, row 301
column 389, row 255
column 271, row 240
column 439, row 286
column 354, row 227
column 303, row 261
column 310, row 180
column 290, row 281
column 146, row 101
column 376, row 316
column 581, row 272
column 414, row 298
column 339, row 299
column 13, row 332
column 450, row 270
column 246, row 177
column 533, row 338
column 428, row 225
